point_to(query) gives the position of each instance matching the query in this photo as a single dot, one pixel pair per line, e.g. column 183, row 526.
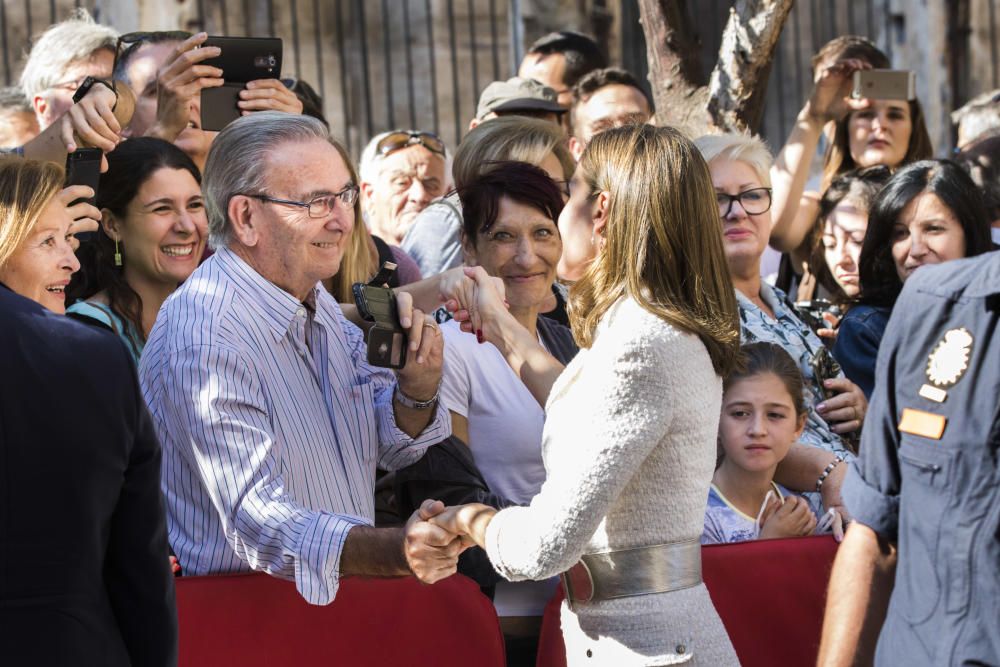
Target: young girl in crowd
column 763, row 413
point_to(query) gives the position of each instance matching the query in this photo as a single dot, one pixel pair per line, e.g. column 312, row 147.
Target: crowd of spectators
column 575, row 287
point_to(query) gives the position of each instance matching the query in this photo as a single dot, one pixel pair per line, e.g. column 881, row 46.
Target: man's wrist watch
column 412, row 403
column 88, row 83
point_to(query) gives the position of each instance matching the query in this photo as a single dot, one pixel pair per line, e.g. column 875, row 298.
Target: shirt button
column 301, row 312
column 680, row 649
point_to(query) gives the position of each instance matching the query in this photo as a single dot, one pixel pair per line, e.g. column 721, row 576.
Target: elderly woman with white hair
column 740, row 167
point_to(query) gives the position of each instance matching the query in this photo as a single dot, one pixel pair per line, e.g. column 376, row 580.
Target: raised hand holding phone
column 387, row 340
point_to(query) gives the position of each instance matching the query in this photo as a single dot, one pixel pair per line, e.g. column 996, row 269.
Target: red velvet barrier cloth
column 770, row 594
column 251, row 620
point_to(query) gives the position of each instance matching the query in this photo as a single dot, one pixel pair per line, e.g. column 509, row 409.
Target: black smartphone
column 83, row 167
column 824, row 367
column 243, row 59
column 387, row 340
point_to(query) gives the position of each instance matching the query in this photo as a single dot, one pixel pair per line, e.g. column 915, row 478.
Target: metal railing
column 384, row 64
column 376, row 64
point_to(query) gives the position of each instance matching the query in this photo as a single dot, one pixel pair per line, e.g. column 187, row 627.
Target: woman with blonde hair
column 36, row 230
column 629, row 440
column 740, row 170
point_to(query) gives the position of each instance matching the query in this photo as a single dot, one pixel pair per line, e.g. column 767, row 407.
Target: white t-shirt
column 505, row 420
column 505, row 437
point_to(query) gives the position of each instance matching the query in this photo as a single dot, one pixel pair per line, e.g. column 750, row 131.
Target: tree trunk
column 675, row 73
column 734, row 97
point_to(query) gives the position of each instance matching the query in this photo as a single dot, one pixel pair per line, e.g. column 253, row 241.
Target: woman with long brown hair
column 629, row 440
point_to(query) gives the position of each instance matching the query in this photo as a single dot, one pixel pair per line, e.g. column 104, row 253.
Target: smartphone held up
column 242, row 60
column 387, row 340
column 884, row 84
column 83, row 167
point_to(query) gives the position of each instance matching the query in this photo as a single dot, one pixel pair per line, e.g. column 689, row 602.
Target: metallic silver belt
column 659, row 568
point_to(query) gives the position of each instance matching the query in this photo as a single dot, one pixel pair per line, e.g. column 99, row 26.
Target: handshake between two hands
column 476, row 300
column 434, row 538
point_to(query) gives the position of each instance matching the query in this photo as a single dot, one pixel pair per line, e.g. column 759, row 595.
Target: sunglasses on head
column 132, row 40
column 400, row 139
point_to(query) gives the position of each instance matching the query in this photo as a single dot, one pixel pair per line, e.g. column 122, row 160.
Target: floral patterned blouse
column 795, row 336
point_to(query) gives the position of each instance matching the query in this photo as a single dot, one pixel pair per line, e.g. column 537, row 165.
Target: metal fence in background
column 377, row 64
column 380, row 64
column 383, row 64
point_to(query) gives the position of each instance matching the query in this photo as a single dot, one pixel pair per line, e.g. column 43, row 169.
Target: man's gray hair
column 368, row 167
column 979, row 116
column 237, row 161
column 62, row 44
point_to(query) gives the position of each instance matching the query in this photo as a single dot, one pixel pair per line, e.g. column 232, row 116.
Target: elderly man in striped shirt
column 271, row 419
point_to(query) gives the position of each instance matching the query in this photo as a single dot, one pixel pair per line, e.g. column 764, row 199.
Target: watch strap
column 88, row 83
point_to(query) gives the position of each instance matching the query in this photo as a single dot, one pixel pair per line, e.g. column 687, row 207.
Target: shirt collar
column 772, row 296
column 276, row 307
column 987, row 280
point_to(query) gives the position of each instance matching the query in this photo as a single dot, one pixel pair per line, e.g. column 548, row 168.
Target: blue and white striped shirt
column 269, row 444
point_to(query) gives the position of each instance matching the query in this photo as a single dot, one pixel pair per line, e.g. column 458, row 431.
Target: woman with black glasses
column 740, row 168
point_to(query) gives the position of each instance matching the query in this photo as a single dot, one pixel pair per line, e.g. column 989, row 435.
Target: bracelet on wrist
column 838, row 459
column 412, row 403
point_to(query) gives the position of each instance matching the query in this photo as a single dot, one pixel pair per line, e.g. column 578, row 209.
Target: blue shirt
column 125, row 330
column 725, row 524
column 434, row 240
column 937, row 493
column 272, row 422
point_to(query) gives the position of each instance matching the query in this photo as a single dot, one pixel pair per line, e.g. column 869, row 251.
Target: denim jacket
column 858, row 338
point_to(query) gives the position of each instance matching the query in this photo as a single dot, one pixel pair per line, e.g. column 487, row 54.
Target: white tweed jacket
column 629, row 448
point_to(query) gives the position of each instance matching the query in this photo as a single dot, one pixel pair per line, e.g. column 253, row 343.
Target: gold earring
column 118, row 255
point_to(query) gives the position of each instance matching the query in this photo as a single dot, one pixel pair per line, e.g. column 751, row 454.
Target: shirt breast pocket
column 355, row 405
column 925, row 472
column 364, row 394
